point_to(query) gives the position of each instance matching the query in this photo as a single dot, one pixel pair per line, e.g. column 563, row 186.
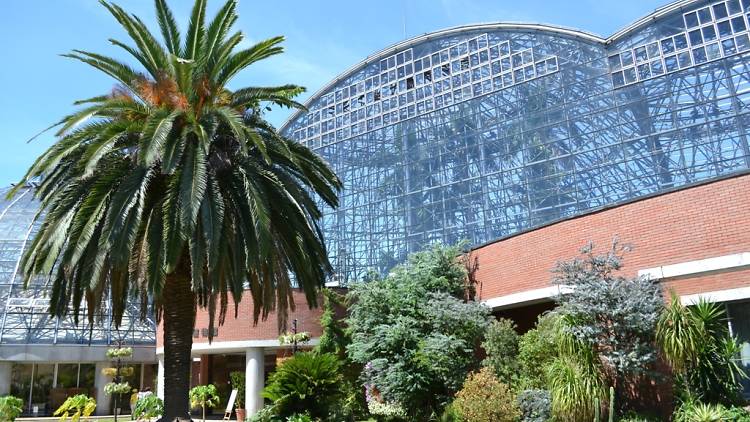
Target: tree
column 174, row 189
column 415, row 332
column 11, row 407
column 614, row 315
column 204, row 396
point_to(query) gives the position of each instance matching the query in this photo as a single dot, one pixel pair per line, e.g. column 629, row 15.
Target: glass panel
column 67, row 375
column 739, row 315
column 40, row 396
column 20, row 382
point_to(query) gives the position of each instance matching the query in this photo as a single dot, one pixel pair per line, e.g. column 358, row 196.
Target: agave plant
column 174, row 188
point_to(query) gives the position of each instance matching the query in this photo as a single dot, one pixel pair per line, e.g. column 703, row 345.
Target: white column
column 160, row 377
column 254, row 381
column 5, row 377
column 100, row 380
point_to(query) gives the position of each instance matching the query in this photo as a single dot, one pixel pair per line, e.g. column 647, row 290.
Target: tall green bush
column 537, row 348
column 237, row 379
column 308, row 382
column 696, row 342
column 416, row 333
column 501, row 345
column 11, row 407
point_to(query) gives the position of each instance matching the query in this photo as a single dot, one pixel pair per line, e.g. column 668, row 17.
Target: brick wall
column 701, row 222
column 242, row 328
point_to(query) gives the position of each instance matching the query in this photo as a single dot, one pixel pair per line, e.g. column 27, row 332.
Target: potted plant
column 11, row 407
column 237, row 380
column 204, row 396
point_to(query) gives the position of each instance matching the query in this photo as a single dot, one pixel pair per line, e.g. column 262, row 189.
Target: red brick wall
column 242, row 328
column 705, row 221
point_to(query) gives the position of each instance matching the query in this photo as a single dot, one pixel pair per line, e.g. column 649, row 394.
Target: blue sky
column 324, row 38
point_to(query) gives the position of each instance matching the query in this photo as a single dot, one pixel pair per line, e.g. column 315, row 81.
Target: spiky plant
column 175, row 189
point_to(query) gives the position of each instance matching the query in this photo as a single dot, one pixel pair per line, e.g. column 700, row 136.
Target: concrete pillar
column 160, row 377
column 5, row 377
column 100, row 380
column 254, row 379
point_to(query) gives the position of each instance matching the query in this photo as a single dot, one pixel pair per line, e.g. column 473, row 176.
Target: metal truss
column 515, row 158
column 24, row 310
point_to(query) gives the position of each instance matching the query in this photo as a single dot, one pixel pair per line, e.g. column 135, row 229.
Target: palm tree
column 174, row 189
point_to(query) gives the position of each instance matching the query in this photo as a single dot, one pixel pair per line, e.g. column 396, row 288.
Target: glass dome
column 24, row 317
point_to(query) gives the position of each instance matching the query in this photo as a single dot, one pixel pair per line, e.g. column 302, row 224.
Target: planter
column 240, row 415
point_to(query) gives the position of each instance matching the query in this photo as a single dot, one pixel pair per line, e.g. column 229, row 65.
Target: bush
column 415, row 333
column 485, row 399
column 536, row 349
column 11, row 407
column 76, row 407
column 148, row 407
column 307, row 382
column 535, row 405
column 697, row 344
column 701, row 412
column 501, row 346
column 634, row 417
column 613, row 315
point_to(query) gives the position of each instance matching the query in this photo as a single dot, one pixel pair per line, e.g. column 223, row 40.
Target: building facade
column 527, row 140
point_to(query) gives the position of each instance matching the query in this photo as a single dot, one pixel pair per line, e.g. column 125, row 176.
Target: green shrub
column 696, row 342
column 700, row 412
column 635, row 417
column 237, row 378
column 485, row 399
column 450, row 414
column 204, row 396
column 738, row 414
column 415, row 333
column 266, row 414
column 76, row 407
column 535, row 405
column 10, row 408
column 299, row 418
column 536, row 349
column 148, row 407
column 501, row 345
column 307, row 382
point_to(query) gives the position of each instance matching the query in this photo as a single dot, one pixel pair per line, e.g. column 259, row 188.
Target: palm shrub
column 175, row 189
column 484, row 398
column 308, row 382
column 696, row 342
column 76, row 407
column 690, row 411
column 501, row 345
column 204, row 396
column 11, row 407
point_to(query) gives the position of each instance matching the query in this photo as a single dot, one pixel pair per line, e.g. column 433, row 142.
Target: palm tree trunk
column 179, row 308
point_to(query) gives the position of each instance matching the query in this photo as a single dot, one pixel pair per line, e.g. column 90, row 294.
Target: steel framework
column 459, row 136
